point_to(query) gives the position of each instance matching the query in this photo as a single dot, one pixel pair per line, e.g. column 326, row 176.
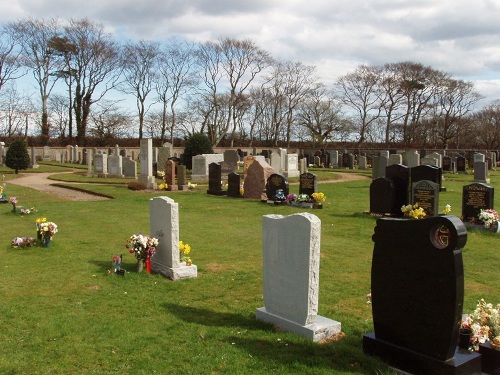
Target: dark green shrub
column 196, row 144
column 136, row 185
column 17, row 156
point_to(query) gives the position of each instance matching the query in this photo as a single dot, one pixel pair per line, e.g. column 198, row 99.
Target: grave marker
column 291, row 257
column 425, row 193
column 476, row 197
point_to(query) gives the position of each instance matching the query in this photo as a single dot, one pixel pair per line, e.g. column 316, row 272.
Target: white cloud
column 459, row 37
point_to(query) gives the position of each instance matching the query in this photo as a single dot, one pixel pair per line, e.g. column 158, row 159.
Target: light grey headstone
column 379, row 163
column 292, row 166
column 291, row 257
column 46, row 153
column 438, row 157
column 429, row 161
column 164, row 225
column 146, row 163
column 200, row 165
column 101, row 164
column 275, row 161
column 282, row 153
column 164, row 153
column 89, row 160
column 129, row 168
column 76, row 154
column 334, row 159
column 33, row 158
column 231, row 156
column 362, row 162
column 115, row 167
column 395, row 159
column 411, row 159
column 384, row 154
column 480, row 171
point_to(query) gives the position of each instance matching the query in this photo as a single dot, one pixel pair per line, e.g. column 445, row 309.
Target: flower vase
column 465, row 334
column 45, row 241
column 495, row 227
column 148, row 265
column 140, row 265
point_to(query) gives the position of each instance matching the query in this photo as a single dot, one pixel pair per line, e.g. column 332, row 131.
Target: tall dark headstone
column 447, row 164
column 426, row 194
column 382, row 196
column 307, row 183
column 429, row 173
column 214, row 180
column 461, row 164
column 233, row 185
column 274, row 183
column 400, row 176
column 417, row 285
column 476, row 197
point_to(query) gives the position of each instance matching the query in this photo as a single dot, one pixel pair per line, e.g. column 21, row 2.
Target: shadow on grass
column 345, row 355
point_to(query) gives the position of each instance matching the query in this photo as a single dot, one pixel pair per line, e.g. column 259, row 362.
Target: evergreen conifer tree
column 17, row 156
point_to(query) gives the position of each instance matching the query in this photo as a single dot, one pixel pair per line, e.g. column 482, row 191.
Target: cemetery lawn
column 61, row 312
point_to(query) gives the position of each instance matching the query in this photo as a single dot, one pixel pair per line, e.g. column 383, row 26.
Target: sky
column 458, row 37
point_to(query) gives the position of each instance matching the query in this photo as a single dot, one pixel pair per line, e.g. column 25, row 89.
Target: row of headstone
column 402, row 186
column 111, row 166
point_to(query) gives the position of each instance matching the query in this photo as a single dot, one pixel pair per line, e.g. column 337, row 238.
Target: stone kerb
column 291, row 256
column 164, row 225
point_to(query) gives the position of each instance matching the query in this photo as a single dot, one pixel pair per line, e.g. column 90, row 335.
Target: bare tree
column 320, row 115
column 360, row 92
column 108, row 122
column 488, row 126
column 176, row 78
column 10, row 57
column 34, row 36
column 58, row 109
column 16, row 112
column 95, row 66
column 139, row 61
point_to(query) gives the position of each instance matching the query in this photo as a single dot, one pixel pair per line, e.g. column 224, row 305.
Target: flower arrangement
column 319, row 198
column 414, row 211
column 27, row 211
column 279, row 196
column 447, row 209
column 303, row 198
column 191, row 186
column 160, row 174
column 184, row 251
column 488, row 217
column 485, row 325
column 143, row 247
column 163, row 186
column 242, row 191
column 291, row 197
column 22, row 242
column 13, row 201
column 45, row 230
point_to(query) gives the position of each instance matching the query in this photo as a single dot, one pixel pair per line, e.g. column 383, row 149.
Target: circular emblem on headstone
column 440, row 236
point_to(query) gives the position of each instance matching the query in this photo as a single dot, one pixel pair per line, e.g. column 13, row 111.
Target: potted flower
column 279, row 197
column 304, row 201
column 414, row 212
column 319, row 199
column 184, row 251
column 485, row 325
column 143, row 247
column 45, row 231
column 490, row 219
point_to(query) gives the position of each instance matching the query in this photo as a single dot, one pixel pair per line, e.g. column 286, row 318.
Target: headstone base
column 490, row 359
column 176, row 273
column 463, row 363
column 217, row 192
column 182, row 187
column 172, row 188
column 199, row 177
column 149, row 181
column 322, row 328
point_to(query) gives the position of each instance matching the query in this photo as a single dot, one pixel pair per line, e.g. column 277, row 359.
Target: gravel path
column 40, row 181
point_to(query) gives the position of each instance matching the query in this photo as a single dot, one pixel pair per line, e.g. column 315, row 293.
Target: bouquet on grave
column 184, row 251
column 414, row 211
column 488, row 217
column 485, row 325
column 143, row 247
column 22, row 242
column 45, row 229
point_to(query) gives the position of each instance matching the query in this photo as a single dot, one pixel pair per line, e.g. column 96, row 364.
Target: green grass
column 60, row 311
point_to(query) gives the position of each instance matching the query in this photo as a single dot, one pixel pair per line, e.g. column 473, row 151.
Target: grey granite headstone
column 480, row 171
column 129, row 167
column 291, row 259
column 164, row 225
column 146, row 163
column 292, row 165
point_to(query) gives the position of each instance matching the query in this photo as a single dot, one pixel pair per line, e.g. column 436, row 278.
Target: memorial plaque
column 308, row 183
column 426, row 194
column 476, row 197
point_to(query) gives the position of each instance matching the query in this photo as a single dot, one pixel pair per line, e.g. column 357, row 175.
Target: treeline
column 232, row 90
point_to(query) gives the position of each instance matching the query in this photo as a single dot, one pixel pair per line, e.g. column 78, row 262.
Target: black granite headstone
column 233, row 185
column 426, row 194
column 476, row 197
column 274, row 183
column 214, row 180
column 417, row 287
column 446, row 164
column 400, row 176
column 307, row 183
column 426, row 172
column 461, row 163
column 382, row 196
